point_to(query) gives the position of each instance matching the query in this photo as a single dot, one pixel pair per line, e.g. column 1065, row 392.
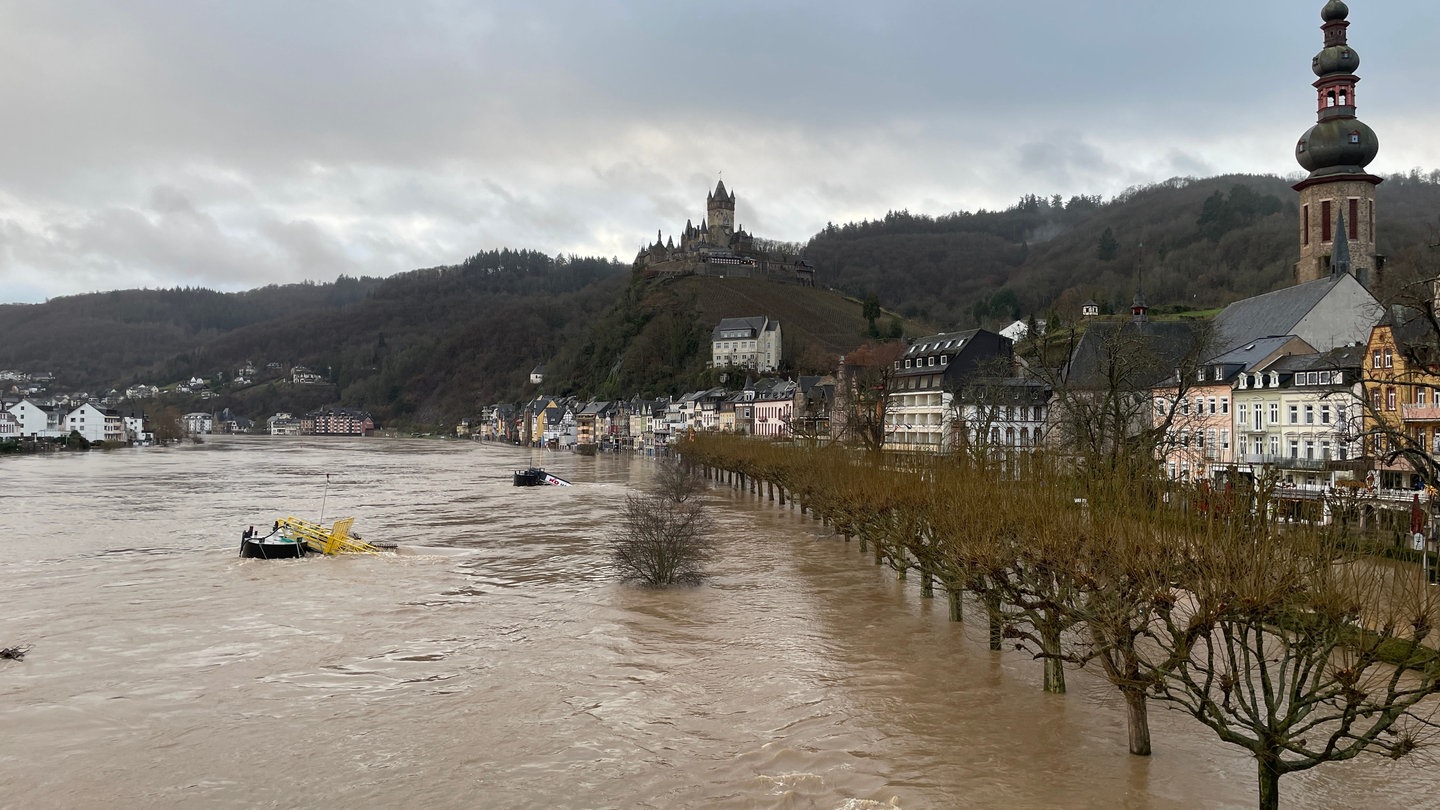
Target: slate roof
column 1285, row 312
column 1167, row 342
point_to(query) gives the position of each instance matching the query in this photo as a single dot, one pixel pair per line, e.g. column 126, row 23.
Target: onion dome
column 1339, row 143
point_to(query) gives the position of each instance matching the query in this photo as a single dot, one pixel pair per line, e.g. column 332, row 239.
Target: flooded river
column 495, row 661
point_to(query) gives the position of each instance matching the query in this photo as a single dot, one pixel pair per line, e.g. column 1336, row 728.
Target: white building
column 198, row 423
column 748, row 343
column 283, row 424
column 38, row 421
column 95, row 424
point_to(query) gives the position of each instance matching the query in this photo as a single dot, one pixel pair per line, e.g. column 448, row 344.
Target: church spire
column 1340, row 255
column 1335, row 152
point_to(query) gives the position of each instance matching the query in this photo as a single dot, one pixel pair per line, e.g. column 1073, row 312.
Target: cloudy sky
column 230, row 145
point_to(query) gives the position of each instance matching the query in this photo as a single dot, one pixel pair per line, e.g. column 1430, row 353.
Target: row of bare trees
column 1277, row 637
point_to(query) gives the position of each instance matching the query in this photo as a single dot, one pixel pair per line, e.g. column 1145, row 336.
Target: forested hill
column 430, row 346
column 424, row 345
column 1198, row 243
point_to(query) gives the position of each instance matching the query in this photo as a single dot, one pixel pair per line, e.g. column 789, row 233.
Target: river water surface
column 496, row 662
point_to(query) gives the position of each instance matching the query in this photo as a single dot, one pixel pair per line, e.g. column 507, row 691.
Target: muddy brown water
column 495, row 661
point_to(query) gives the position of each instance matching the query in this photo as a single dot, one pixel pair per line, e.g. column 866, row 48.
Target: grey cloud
column 243, row 143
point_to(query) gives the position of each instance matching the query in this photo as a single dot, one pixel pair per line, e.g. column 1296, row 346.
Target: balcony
column 1420, row 413
column 1323, row 463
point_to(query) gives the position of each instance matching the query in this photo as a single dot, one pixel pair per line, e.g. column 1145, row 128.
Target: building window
column 1390, row 398
column 1326, row 222
column 1224, row 405
column 1242, row 416
column 1274, row 413
column 1309, row 414
column 1294, row 414
column 1324, row 414
column 1210, row 404
column 1389, row 358
column 1420, row 396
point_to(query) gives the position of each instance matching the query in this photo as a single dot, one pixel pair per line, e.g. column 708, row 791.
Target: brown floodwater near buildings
column 495, row 662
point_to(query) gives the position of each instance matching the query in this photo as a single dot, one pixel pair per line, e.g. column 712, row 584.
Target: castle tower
column 720, row 214
column 1338, row 194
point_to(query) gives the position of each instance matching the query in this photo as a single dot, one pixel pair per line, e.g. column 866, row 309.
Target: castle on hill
column 719, row 248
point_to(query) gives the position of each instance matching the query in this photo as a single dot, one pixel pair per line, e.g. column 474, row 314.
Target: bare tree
column 861, row 392
column 666, row 537
column 1283, row 644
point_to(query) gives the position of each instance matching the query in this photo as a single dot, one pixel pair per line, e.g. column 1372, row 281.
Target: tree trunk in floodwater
column 863, row 548
column 992, row 612
column 1054, row 667
column 1137, row 712
column 957, row 607
column 927, row 584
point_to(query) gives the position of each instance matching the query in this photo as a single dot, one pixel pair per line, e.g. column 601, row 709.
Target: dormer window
column 1338, row 378
column 1274, row 379
column 1244, row 381
column 1218, row 374
column 944, row 359
column 909, row 363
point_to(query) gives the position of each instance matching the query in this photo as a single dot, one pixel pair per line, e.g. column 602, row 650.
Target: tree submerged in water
column 665, row 538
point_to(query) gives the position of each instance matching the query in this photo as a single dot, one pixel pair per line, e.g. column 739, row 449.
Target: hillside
column 430, row 346
column 1198, row 243
column 655, row 339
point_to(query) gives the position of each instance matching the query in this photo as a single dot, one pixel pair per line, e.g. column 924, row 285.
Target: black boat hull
column 257, row 548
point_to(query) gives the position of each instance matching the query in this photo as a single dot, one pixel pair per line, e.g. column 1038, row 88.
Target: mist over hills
column 430, row 346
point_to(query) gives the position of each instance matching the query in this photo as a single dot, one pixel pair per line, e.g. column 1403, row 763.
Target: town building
column 920, row 404
column 751, row 343
column 337, row 422
column 95, row 424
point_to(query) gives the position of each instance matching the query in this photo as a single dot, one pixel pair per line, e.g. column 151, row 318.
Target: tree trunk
column 1054, row 667
column 927, row 584
column 863, row 548
column 1137, row 712
column 1269, row 780
column 957, row 607
column 992, row 611
column 782, row 495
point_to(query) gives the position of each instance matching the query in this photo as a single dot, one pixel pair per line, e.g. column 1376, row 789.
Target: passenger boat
column 536, row 477
column 292, row 537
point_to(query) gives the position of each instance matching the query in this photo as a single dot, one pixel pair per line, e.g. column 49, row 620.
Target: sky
column 233, row 145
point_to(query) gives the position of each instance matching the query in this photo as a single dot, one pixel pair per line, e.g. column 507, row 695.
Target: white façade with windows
column 746, row 343
column 1302, row 418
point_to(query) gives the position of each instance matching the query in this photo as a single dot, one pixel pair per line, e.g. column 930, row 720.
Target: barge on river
column 291, row 537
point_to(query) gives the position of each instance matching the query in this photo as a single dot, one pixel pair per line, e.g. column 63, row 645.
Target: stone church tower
column 1337, row 199
column 720, row 215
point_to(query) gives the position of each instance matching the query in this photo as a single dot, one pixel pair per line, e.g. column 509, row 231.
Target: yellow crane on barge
column 335, row 540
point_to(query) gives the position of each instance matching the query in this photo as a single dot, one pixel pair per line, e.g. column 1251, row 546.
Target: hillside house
column 746, row 343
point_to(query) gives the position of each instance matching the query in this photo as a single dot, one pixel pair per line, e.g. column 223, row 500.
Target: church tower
column 720, row 214
column 1337, row 199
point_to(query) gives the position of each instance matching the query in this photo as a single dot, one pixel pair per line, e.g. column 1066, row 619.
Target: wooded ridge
column 427, row 347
